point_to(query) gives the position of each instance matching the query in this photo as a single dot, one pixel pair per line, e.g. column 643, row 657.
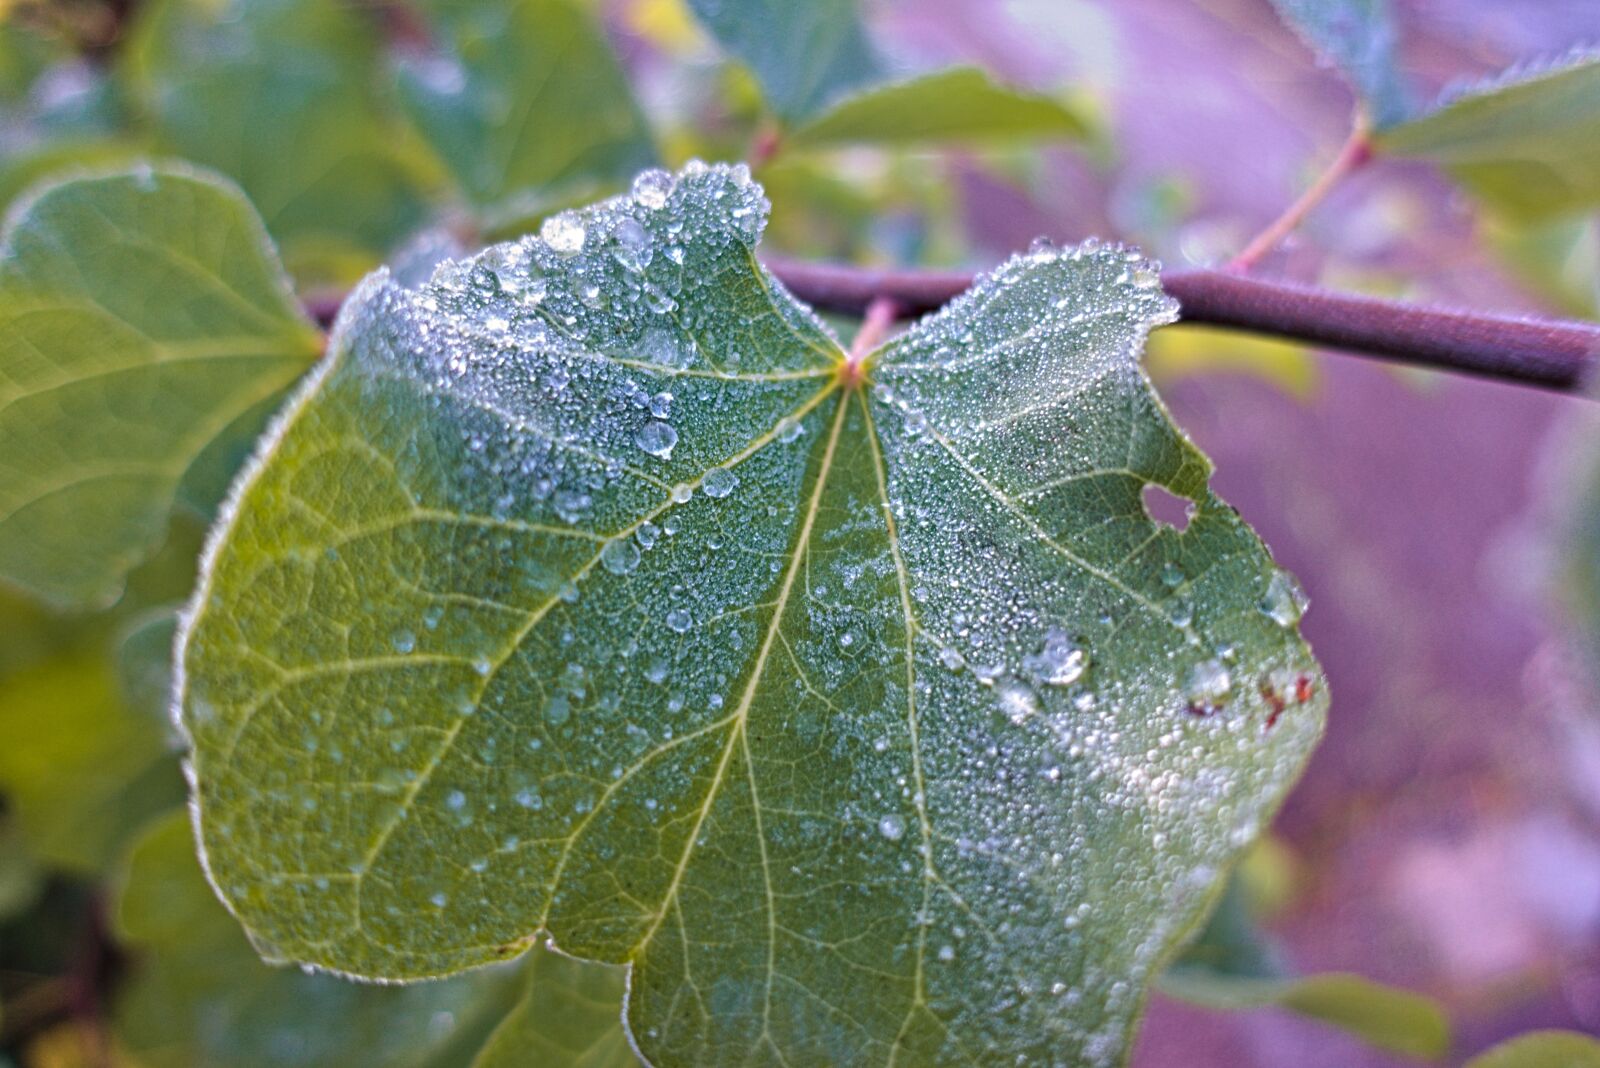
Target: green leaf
column 1358, row 37
column 1382, row 1016
column 1526, row 142
column 1542, row 1049
column 962, row 104
column 583, row 593
column 806, row 56
column 528, row 107
column 1234, row 965
column 20, row 876
column 80, row 769
column 570, row 1015
column 199, row 995
column 281, row 96
column 143, row 315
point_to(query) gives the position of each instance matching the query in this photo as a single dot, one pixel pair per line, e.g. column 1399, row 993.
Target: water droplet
column 892, row 827
column 440, row 900
column 403, row 641
column 1171, row 575
column 1016, row 700
column 1209, row 684
column 456, row 800
column 620, row 556
column 633, row 249
column 558, row 709
column 947, row 953
column 681, row 494
column 952, row 659
column 719, row 482
column 656, row 438
column 1060, row 661
column 656, row 673
column 530, row 798
column 652, row 188
column 564, row 233
column 1285, row 600
column 678, row 620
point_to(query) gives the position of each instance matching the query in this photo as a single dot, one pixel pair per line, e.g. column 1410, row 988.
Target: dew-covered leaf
column 1542, row 1049
column 583, row 592
column 570, row 1014
column 1358, row 37
column 527, row 106
column 1526, row 142
column 1233, row 965
column 806, row 56
column 143, row 319
column 962, row 104
column 198, row 994
column 281, row 96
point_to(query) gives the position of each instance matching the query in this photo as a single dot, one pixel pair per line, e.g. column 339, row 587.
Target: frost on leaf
column 580, row 594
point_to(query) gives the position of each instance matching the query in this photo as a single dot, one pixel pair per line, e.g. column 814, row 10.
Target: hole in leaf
column 1166, row 507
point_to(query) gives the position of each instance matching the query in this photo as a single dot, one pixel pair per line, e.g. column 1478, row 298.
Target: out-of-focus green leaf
column 70, row 157
column 20, row 876
column 79, row 768
column 143, row 314
column 199, row 995
column 805, row 55
column 1232, row 965
column 143, row 658
column 1542, row 1049
column 1559, row 258
column 570, row 1015
column 584, row 592
column 1358, row 37
column 1526, row 142
column 281, row 96
column 527, row 107
column 962, row 104
column 1182, row 351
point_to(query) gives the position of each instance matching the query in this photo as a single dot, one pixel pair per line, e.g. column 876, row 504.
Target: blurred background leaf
column 806, row 56
column 1358, row 37
column 1526, row 142
column 1542, row 1049
column 569, row 1014
column 958, row 105
column 201, row 995
column 283, row 96
column 526, row 106
column 146, row 317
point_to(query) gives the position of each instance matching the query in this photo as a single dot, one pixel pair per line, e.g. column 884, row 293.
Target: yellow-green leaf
column 1527, row 142
column 962, row 104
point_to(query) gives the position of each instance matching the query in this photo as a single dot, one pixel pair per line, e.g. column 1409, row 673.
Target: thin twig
column 1547, row 353
column 1357, row 151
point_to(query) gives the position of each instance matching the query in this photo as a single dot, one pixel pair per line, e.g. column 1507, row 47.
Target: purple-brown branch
column 1546, row 353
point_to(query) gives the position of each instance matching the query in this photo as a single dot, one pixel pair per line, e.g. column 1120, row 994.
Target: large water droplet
column 633, row 249
column 1060, row 661
column 892, row 827
column 1209, row 684
column 558, row 709
column 403, row 641
column 653, row 187
column 656, row 438
column 1285, row 600
column 564, row 233
column 678, row 620
column 620, row 556
column 719, row 482
column 1016, row 700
